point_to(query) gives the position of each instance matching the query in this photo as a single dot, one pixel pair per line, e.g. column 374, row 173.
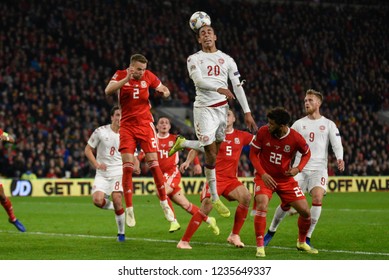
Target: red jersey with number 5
column 227, row 159
column 275, row 154
column 134, row 97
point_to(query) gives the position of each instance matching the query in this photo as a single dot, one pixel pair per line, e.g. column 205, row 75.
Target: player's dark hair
column 198, row 31
column 138, row 58
column 279, row 115
column 114, row 108
column 164, row 117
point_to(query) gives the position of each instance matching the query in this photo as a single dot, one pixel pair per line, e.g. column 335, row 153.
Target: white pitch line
column 193, row 242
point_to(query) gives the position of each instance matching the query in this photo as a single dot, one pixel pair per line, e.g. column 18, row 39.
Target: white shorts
column 308, row 179
column 107, row 185
column 210, row 124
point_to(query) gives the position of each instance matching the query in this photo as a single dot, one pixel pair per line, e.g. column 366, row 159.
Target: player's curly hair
column 279, row 115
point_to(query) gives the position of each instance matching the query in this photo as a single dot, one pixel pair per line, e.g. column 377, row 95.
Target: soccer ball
column 198, row 20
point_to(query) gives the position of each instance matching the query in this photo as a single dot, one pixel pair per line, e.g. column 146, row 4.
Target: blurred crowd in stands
column 56, row 58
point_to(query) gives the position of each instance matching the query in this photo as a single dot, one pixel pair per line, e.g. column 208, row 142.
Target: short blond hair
column 316, row 93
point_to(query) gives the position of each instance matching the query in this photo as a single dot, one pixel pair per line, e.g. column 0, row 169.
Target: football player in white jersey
column 104, row 142
column 319, row 132
column 210, row 70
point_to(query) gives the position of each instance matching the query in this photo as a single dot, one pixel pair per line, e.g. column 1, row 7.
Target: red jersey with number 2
column 134, row 97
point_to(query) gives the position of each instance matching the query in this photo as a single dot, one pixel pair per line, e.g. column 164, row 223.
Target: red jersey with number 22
column 276, row 154
column 134, row 97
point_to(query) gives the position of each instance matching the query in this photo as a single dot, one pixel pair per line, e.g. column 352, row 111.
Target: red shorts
column 288, row 191
column 143, row 133
column 173, row 180
column 223, row 188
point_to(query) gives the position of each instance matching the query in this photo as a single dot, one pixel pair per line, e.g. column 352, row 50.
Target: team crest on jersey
column 192, row 67
column 221, row 60
column 170, row 144
column 322, row 127
column 143, row 84
column 237, row 140
column 287, row 149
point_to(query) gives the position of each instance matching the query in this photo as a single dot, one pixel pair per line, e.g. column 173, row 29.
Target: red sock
column 304, row 225
column 192, row 209
column 128, row 167
column 8, row 208
column 158, row 178
column 240, row 217
column 193, row 225
column 119, row 212
column 260, row 226
column 171, row 205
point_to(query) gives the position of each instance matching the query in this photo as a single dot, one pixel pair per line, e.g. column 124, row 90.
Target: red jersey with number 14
column 134, row 96
column 168, row 164
column 276, row 154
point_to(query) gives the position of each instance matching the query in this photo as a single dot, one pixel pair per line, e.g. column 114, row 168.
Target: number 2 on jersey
column 275, row 158
column 213, row 71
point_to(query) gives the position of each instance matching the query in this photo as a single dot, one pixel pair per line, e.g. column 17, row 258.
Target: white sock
column 211, row 179
column 279, row 214
column 193, row 144
column 315, row 215
column 120, row 220
column 108, row 205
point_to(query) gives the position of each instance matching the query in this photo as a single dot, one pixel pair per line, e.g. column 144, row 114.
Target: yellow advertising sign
column 145, row 186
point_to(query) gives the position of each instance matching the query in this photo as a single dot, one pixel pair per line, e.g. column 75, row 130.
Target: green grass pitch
column 353, row 226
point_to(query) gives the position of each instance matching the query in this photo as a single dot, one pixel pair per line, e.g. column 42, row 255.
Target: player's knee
column 98, row 202
column 305, row 213
column 206, row 206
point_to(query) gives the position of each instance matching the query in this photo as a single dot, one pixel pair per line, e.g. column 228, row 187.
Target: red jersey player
column 4, row 200
column 271, row 153
column 173, row 176
column 228, row 184
column 136, row 126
